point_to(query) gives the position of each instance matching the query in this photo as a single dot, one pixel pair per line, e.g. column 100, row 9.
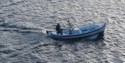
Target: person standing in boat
column 58, row 29
column 70, row 27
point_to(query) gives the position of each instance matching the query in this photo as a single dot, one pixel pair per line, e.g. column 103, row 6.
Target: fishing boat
column 91, row 31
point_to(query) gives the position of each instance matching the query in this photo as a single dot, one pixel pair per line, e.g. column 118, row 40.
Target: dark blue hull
column 96, row 29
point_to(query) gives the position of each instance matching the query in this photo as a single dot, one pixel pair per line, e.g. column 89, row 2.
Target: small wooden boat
column 92, row 31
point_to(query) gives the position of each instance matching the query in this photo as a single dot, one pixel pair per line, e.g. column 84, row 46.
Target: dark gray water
column 23, row 23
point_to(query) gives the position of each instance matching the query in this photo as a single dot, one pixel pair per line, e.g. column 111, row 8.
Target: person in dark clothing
column 58, row 29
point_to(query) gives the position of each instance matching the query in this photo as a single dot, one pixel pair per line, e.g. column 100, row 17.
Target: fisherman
column 58, row 29
column 70, row 27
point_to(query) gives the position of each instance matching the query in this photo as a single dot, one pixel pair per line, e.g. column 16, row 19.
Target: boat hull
column 99, row 32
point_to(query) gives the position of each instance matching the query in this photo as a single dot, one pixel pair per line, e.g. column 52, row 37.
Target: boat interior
column 79, row 30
